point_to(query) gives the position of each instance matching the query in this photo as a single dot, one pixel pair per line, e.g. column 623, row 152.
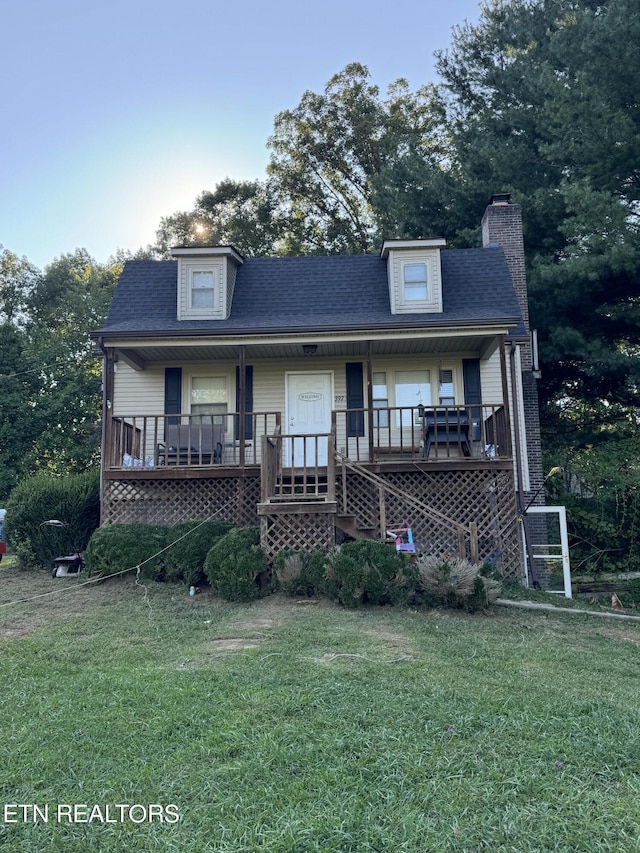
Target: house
column 328, row 397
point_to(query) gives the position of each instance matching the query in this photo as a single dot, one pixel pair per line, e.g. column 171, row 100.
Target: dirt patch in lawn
column 267, row 613
column 620, row 634
column 392, row 640
column 233, row 644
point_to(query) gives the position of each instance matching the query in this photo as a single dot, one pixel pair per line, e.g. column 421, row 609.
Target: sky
column 115, row 114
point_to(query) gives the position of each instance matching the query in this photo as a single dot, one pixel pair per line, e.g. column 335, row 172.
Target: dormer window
column 415, row 281
column 203, row 289
column 206, row 281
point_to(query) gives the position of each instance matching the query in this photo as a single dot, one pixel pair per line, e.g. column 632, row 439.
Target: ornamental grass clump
column 456, row 583
column 296, row 573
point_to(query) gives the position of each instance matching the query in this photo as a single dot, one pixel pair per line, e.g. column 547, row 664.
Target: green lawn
column 289, row 728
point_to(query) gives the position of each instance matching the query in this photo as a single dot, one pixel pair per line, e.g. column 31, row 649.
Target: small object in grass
column 450, row 730
column 615, row 602
column 559, row 763
column 192, row 591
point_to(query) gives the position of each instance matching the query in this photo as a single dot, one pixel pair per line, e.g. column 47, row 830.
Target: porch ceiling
column 142, row 354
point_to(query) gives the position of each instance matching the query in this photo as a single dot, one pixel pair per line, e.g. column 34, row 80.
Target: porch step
column 348, row 524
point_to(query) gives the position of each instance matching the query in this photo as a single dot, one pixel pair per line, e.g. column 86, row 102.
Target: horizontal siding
column 138, row 392
column 491, row 379
column 142, row 392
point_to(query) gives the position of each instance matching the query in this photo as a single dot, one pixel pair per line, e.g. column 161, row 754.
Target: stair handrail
column 357, row 468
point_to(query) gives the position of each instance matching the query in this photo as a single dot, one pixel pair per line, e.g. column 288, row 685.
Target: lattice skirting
column 484, row 497
column 172, row 501
column 305, row 532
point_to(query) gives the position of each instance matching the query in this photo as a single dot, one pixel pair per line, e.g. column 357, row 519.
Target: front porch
column 447, row 472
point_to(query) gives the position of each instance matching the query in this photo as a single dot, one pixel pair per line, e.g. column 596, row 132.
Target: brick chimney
column 502, row 224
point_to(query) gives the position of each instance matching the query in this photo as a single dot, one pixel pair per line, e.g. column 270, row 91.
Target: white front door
column 309, row 404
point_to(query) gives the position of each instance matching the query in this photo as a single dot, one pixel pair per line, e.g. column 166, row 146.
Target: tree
column 20, row 423
column 69, row 301
column 347, row 165
column 238, row 213
column 17, row 279
column 542, row 98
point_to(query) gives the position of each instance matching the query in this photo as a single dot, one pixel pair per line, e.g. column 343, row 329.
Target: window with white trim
column 209, row 396
column 201, row 294
column 446, row 396
column 415, row 281
column 413, row 388
column 203, row 289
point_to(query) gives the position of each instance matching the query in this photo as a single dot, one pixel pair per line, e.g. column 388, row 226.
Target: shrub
column 457, row 583
column 235, row 565
column 185, row 560
column 73, row 499
column 116, row 547
column 369, row 572
column 297, row 573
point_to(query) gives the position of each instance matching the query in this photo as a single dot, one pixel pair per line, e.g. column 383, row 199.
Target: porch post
column 370, row 399
column 107, row 407
column 242, row 402
column 107, row 420
column 505, row 386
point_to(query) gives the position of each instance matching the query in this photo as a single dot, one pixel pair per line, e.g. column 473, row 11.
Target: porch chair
column 446, row 427
column 192, row 443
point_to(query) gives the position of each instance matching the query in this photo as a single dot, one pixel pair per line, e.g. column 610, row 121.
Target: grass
column 288, row 728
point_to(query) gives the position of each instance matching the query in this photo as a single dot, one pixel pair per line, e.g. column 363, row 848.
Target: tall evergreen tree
column 543, row 98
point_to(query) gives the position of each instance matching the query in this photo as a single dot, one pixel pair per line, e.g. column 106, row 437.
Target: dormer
column 206, row 279
column 414, row 275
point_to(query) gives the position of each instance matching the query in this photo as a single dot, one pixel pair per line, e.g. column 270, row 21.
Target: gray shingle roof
column 316, row 293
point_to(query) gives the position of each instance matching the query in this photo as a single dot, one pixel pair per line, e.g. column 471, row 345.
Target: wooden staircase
column 349, row 526
column 467, row 535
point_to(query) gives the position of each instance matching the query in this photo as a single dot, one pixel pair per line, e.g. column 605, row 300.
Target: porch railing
column 190, row 441
column 416, row 433
column 298, row 467
column 422, row 433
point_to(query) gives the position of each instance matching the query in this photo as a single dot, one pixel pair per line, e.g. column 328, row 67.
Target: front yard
column 289, row 728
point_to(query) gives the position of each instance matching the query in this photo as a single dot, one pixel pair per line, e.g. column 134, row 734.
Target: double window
column 411, row 388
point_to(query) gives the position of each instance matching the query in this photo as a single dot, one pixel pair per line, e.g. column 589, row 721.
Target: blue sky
column 115, row 114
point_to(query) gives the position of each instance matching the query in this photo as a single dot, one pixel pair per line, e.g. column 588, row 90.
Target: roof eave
column 492, row 326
